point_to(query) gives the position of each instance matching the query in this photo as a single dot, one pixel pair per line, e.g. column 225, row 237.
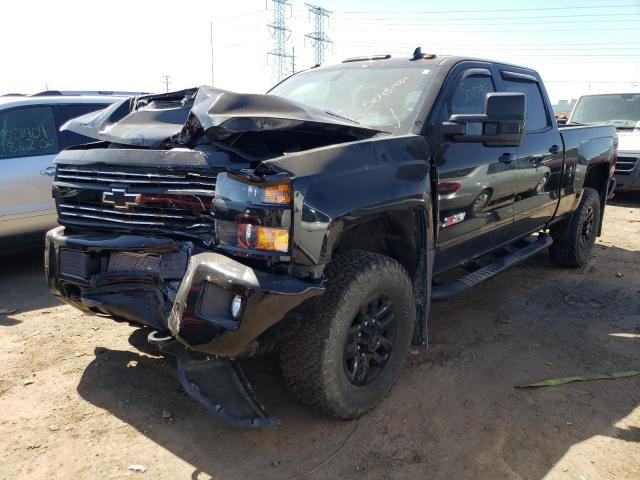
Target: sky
column 578, row 46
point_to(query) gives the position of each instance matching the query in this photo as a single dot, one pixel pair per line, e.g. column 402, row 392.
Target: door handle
column 554, row 149
column 506, row 158
column 49, row 171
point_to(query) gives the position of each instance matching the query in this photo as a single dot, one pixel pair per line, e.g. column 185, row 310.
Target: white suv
column 621, row 110
column 29, row 140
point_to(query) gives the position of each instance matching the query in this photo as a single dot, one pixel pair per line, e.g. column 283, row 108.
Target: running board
column 217, row 384
column 450, row 290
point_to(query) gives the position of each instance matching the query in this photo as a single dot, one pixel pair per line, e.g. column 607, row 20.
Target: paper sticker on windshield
column 426, row 72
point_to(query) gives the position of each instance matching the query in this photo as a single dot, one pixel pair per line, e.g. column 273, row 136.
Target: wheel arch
column 397, row 234
column 403, row 235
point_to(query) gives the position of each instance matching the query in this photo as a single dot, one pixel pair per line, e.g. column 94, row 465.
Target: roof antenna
column 418, row 55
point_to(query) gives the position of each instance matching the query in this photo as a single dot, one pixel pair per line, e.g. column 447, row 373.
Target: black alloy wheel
column 346, row 357
column 587, row 228
column 370, row 340
column 574, row 238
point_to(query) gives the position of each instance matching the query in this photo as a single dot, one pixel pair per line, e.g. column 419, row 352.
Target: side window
column 67, row 112
column 27, row 132
column 470, row 94
column 537, row 118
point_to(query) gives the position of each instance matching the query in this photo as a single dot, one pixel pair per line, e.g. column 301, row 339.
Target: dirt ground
column 85, row 397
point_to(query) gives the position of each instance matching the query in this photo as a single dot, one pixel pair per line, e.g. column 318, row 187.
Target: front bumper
column 193, row 303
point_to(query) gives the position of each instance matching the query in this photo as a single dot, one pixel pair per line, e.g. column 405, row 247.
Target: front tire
column 573, row 240
column 347, row 356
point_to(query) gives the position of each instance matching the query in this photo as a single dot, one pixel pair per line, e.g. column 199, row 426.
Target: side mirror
column 502, row 123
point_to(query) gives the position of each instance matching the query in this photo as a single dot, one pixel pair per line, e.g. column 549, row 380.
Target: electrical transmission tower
column 166, row 81
column 283, row 60
column 319, row 39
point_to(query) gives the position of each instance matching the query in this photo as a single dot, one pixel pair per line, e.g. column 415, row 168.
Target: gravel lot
column 85, row 397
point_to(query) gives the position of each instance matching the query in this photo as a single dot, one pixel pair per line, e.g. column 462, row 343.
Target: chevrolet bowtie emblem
column 119, row 198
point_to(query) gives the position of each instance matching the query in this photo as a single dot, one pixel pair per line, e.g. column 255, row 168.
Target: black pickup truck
column 319, row 220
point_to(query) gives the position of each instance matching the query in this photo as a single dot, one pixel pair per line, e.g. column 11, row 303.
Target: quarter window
column 537, row 118
column 27, row 132
column 469, row 96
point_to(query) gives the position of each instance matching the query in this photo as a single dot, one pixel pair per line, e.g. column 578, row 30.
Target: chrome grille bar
column 129, row 180
column 116, row 212
column 625, row 164
column 135, row 174
column 161, row 212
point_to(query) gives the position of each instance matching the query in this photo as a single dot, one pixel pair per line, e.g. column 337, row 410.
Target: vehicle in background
column 29, row 141
column 621, row 110
column 319, row 220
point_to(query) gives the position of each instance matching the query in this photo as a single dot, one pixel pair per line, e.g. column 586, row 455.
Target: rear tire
column 573, row 240
column 347, row 356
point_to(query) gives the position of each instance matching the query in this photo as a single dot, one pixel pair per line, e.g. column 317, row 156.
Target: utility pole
column 280, row 33
column 211, row 29
column 319, row 40
column 166, row 82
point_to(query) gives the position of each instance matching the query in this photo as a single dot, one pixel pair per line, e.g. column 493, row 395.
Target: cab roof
column 429, row 61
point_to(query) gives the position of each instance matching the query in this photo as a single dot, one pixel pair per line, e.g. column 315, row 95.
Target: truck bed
column 585, row 146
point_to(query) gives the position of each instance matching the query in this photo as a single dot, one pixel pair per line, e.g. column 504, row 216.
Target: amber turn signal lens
column 277, row 194
column 276, row 239
column 263, row 238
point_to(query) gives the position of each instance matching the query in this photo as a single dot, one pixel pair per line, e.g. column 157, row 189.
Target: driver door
column 476, row 183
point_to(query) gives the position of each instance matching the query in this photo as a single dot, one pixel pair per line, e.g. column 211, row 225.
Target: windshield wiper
column 334, row 114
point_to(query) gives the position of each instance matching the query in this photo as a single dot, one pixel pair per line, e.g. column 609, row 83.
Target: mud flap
column 219, row 385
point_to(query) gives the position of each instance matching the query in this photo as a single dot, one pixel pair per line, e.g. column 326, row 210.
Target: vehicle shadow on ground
column 454, row 412
column 23, row 284
column 626, row 199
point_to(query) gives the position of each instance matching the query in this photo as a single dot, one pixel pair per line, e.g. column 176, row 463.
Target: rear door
column 476, row 182
column 539, row 157
column 29, row 141
column 28, row 144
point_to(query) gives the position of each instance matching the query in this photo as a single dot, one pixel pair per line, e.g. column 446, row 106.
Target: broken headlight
column 252, row 217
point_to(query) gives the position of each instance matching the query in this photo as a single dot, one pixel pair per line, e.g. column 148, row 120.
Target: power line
column 247, row 14
column 319, row 40
column 487, row 10
column 616, row 29
column 580, row 47
column 470, row 23
column 481, row 19
column 280, row 34
column 502, row 45
column 586, row 47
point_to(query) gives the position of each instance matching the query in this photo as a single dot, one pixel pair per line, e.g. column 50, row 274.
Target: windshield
column 378, row 97
column 621, row 110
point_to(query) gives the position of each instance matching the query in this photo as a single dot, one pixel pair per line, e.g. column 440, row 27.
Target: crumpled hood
column 152, row 120
column 629, row 141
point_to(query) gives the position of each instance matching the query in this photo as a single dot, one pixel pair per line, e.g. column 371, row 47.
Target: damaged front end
column 176, row 220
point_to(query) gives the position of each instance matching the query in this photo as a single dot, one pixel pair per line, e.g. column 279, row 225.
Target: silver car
column 29, row 140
